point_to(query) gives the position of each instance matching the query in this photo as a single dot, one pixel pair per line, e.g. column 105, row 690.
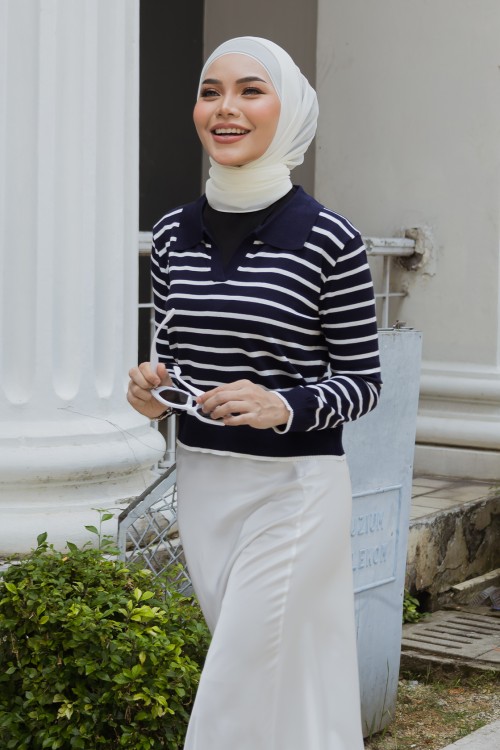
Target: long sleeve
column 348, row 322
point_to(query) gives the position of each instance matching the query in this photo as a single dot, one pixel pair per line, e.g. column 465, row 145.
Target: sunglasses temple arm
column 153, row 358
column 154, row 361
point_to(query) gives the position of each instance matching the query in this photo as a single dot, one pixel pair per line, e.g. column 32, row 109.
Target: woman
column 265, row 308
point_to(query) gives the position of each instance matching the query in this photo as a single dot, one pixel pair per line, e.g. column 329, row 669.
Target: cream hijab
column 256, row 185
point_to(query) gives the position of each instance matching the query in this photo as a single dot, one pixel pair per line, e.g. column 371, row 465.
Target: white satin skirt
column 267, row 544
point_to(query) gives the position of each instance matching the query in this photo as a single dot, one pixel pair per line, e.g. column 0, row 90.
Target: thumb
column 162, row 373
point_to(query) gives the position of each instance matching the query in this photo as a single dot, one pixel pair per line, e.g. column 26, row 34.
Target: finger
column 147, row 377
column 163, row 374
column 236, row 385
column 144, row 403
column 136, row 393
column 218, row 402
column 238, row 391
column 229, row 408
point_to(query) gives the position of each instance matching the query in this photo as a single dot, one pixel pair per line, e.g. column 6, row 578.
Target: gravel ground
column 431, row 714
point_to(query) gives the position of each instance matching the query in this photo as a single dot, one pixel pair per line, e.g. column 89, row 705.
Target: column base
column 55, row 480
column 63, row 511
column 451, row 461
column 458, row 426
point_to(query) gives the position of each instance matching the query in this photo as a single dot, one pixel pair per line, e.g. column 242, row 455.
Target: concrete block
column 486, row 738
column 462, row 592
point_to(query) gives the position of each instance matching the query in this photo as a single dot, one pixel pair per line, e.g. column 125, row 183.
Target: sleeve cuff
column 303, row 405
column 282, row 428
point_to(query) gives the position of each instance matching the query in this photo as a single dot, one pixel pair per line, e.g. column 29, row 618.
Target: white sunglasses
column 177, row 398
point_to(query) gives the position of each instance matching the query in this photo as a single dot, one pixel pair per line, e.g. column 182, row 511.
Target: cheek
column 270, row 117
column 196, row 115
column 199, row 117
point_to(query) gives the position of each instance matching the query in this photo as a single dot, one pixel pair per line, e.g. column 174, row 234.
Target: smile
column 230, row 131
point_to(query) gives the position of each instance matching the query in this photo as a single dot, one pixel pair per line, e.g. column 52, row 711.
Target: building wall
column 409, row 136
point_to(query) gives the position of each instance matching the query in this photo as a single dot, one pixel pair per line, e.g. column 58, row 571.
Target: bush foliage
column 94, row 655
column 411, row 611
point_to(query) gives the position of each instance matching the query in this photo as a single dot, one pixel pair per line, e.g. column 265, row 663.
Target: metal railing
column 388, row 248
column 148, row 533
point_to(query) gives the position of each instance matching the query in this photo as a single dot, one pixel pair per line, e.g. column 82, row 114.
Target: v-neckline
column 224, row 230
column 225, row 272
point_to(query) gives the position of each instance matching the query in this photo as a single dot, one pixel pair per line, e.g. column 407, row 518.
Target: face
column 237, row 111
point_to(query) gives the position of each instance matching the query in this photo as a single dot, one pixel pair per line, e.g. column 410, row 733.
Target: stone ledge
column 451, row 546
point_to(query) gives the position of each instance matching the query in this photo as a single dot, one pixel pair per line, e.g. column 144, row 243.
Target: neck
column 248, row 188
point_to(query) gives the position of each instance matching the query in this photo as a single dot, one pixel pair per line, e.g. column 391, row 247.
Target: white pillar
column 409, row 137
column 69, row 442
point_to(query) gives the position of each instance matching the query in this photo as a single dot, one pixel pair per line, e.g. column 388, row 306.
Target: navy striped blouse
column 294, row 312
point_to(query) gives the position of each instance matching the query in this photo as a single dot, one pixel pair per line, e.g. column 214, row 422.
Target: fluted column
column 69, row 442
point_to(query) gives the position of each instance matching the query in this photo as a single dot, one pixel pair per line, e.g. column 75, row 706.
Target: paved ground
column 430, row 494
column 486, row 738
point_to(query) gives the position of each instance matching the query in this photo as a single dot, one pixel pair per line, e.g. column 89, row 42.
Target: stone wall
column 450, row 547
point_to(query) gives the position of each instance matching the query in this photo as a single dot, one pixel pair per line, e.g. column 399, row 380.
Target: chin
column 231, row 162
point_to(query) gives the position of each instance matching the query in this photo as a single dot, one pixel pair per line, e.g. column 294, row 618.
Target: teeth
column 230, row 131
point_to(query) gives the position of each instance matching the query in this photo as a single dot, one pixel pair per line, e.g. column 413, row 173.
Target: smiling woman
column 264, row 306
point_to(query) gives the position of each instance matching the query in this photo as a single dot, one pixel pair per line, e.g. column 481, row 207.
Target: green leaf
column 11, row 587
column 92, row 529
column 107, row 516
column 41, row 539
column 140, row 697
column 71, row 546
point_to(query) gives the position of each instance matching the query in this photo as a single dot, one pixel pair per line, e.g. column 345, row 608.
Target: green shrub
column 411, row 612
column 94, row 655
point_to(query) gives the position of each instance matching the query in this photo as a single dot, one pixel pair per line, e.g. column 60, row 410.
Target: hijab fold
column 260, row 183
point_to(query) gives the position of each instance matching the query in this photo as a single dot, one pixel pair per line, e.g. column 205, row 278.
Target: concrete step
column 453, row 537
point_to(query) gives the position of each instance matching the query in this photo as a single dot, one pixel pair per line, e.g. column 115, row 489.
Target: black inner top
column 228, row 230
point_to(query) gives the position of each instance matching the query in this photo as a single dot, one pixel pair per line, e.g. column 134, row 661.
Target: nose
column 227, row 106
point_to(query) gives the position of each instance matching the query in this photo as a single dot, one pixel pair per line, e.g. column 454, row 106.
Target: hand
column 243, row 402
column 142, row 380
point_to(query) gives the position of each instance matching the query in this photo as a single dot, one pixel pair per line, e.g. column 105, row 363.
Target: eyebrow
column 247, row 79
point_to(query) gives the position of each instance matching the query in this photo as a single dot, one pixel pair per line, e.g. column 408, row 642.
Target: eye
column 251, row 91
column 208, row 93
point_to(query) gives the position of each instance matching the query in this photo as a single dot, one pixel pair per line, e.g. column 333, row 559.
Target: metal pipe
column 394, row 246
